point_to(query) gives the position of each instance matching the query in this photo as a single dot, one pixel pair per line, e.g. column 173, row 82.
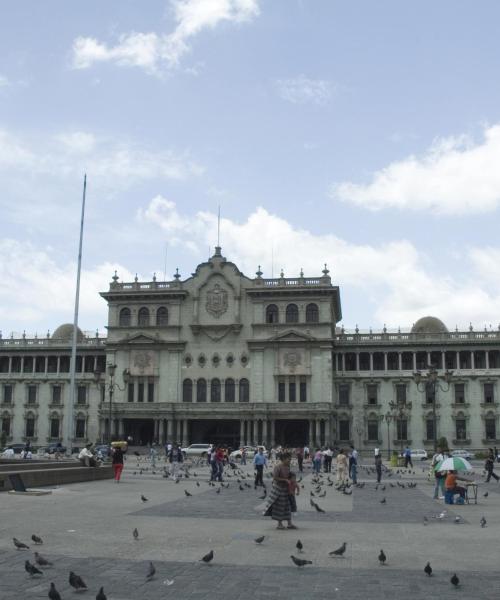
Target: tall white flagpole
column 72, row 385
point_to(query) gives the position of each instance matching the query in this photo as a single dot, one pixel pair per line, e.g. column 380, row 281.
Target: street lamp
column 428, row 382
column 401, row 410
column 111, row 390
column 388, row 418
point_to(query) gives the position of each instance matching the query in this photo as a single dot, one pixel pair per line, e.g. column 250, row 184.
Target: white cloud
column 4, row 82
column 456, row 176
column 302, row 90
column 152, row 51
column 36, row 290
column 391, row 276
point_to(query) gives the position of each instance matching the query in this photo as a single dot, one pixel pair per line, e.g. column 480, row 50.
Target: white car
column 236, row 454
column 462, row 453
column 418, row 454
column 196, row 450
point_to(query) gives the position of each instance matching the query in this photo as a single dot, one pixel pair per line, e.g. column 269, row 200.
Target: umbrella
column 454, row 463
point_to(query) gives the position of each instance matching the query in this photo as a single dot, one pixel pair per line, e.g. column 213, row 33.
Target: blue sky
column 361, row 134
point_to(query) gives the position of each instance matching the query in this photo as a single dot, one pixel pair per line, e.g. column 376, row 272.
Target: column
column 472, row 360
column 357, row 361
column 265, row 441
column 342, row 362
column 458, row 360
column 170, row 430
column 414, row 354
column 121, row 427
column 311, row 434
column 371, row 361
column 443, row 360
column 46, row 364
column 58, row 364
column 161, row 435
column 428, row 357
column 242, row 432
column 400, row 361
column 385, row 361
column 487, row 358
column 273, row 432
column 185, row 432
column 318, row 432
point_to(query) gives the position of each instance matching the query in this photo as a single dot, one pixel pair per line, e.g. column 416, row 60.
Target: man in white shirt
column 86, row 457
column 8, row 453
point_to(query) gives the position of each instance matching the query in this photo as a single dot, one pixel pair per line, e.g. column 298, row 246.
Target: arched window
column 162, row 316
column 272, row 314
column 6, row 424
column 201, row 390
column 187, row 390
column 80, row 426
column 215, row 390
column 125, row 317
column 29, row 430
column 312, row 313
column 54, row 426
column 292, row 313
column 244, row 390
column 229, row 390
column 143, row 317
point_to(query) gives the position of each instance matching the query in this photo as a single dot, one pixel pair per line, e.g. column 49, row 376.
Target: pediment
column 140, row 338
column 292, row 335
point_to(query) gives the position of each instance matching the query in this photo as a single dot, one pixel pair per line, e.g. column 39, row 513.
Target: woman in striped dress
column 278, row 506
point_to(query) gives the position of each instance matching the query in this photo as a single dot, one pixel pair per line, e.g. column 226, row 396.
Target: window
column 229, row 390
column 187, row 390
column 7, row 394
column 201, row 390
column 459, row 393
column 244, row 390
column 364, row 361
column 292, row 392
column 162, row 316
column 16, row 364
column 28, row 364
column 140, row 392
column 215, row 390
column 312, row 313
column 372, row 393
column 4, row 364
column 281, row 390
column 32, row 394
column 378, row 361
column 272, row 314
column 143, row 318
column 489, row 393
column 80, row 428
column 40, row 364
column 490, row 428
column 402, row 429
column 151, row 391
column 29, row 430
column 54, row 427
column 303, row 389
column 373, row 430
column 103, row 393
column 81, row 397
column 461, row 429
column 64, row 364
column 401, row 393
column 392, row 361
column 52, row 364
column 6, row 425
column 429, row 429
column 344, row 430
column 407, row 361
column 56, row 394
column 430, row 395
column 125, row 317
column 292, row 313
column 350, row 361
column 130, row 392
column 344, row 394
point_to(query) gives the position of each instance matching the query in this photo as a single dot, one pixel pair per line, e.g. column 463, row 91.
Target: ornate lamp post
column 401, row 411
column 429, row 382
column 359, row 430
column 388, row 418
column 111, row 390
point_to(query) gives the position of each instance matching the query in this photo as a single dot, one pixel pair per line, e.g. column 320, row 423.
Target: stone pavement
column 88, row 528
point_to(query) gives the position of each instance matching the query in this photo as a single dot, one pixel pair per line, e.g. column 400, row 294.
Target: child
column 293, row 490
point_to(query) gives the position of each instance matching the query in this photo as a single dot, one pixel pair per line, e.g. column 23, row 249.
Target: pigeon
column 382, row 557
column 217, row 491
column 31, row 569
column 135, row 533
column 19, row 545
column 383, row 501
column 76, row 581
column 454, row 580
column 428, row 569
column 188, row 494
column 197, row 484
column 485, row 495
column 242, row 489
column 101, row 595
column 318, row 508
column 151, row 571
column 313, row 504
column 260, row 539
column 40, row 560
column 299, row 545
column 36, row 539
column 300, row 562
column 53, row 593
column 483, row 522
column 340, row 551
column 426, row 521
column 458, row 520
column 208, row 557
column 143, row 498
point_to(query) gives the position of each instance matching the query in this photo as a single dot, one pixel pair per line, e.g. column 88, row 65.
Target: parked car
column 196, row 450
column 251, row 451
column 18, row 448
column 102, row 449
column 417, row 454
column 463, row 453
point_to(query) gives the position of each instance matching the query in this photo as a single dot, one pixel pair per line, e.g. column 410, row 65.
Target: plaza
column 87, row 528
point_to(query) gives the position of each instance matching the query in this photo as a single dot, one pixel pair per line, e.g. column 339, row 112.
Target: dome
column 429, row 325
column 65, row 333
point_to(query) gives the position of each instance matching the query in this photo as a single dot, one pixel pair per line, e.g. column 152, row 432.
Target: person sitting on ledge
column 450, row 485
column 87, row 458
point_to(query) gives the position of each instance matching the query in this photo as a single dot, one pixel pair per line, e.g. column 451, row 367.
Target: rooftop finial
column 115, row 277
column 177, row 276
column 136, row 279
column 259, row 272
column 325, row 271
column 154, row 276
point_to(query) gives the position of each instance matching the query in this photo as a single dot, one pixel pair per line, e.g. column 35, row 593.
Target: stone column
column 458, row 359
column 487, row 359
column 311, row 434
column 265, row 441
column 318, row 432
column 414, row 354
column 385, row 361
column 342, row 361
column 170, row 430
column 357, row 361
column 121, row 426
column 185, row 432
column 273, row 432
column 443, row 360
column 428, row 357
column 371, row 361
column 472, row 360
column 242, row 432
column 400, row 361
column 161, row 434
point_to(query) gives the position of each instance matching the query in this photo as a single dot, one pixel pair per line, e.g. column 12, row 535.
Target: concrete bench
column 54, row 476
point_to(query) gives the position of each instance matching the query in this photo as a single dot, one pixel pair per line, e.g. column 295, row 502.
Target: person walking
column 489, row 465
column 439, row 476
column 317, row 461
column 299, row 453
column 243, row 456
column 259, row 462
column 175, row 459
column 117, row 462
column 353, row 460
column 407, row 455
column 341, row 466
column 327, row 460
column 278, row 505
column 378, row 466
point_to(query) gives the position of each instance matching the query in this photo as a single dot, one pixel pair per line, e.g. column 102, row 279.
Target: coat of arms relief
column 217, row 301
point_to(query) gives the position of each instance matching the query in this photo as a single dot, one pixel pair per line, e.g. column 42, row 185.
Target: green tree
column 443, row 444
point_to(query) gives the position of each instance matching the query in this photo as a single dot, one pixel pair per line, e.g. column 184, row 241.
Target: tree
column 443, row 444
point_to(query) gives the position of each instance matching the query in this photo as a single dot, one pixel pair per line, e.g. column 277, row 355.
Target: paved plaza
column 88, row 528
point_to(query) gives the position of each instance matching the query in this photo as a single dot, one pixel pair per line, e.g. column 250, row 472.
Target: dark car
column 53, row 448
column 18, row 448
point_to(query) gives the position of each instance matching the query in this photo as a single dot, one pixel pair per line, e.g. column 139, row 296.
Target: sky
column 364, row 135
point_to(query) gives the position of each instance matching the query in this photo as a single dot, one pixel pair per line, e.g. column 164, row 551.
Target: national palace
column 221, row 357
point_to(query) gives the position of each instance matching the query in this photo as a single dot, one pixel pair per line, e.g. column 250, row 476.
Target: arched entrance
column 292, row 432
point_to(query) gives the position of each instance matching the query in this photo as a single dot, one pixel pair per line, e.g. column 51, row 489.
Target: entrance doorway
column 292, row 433
column 141, row 431
column 211, row 431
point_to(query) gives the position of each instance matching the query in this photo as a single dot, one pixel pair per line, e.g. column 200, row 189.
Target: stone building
column 226, row 358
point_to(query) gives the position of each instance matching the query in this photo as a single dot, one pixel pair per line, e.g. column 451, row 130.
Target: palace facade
column 221, row 357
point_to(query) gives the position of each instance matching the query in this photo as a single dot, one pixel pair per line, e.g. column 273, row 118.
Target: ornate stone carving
column 142, row 361
column 217, row 302
column 292, row 360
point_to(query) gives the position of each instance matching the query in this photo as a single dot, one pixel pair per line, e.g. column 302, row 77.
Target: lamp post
column 429, row 382
column 359, row 430
column 111, row 390
column 388, row 418
column 401, row 410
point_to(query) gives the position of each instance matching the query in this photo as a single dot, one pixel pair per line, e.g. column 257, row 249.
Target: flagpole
column 72, row 385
